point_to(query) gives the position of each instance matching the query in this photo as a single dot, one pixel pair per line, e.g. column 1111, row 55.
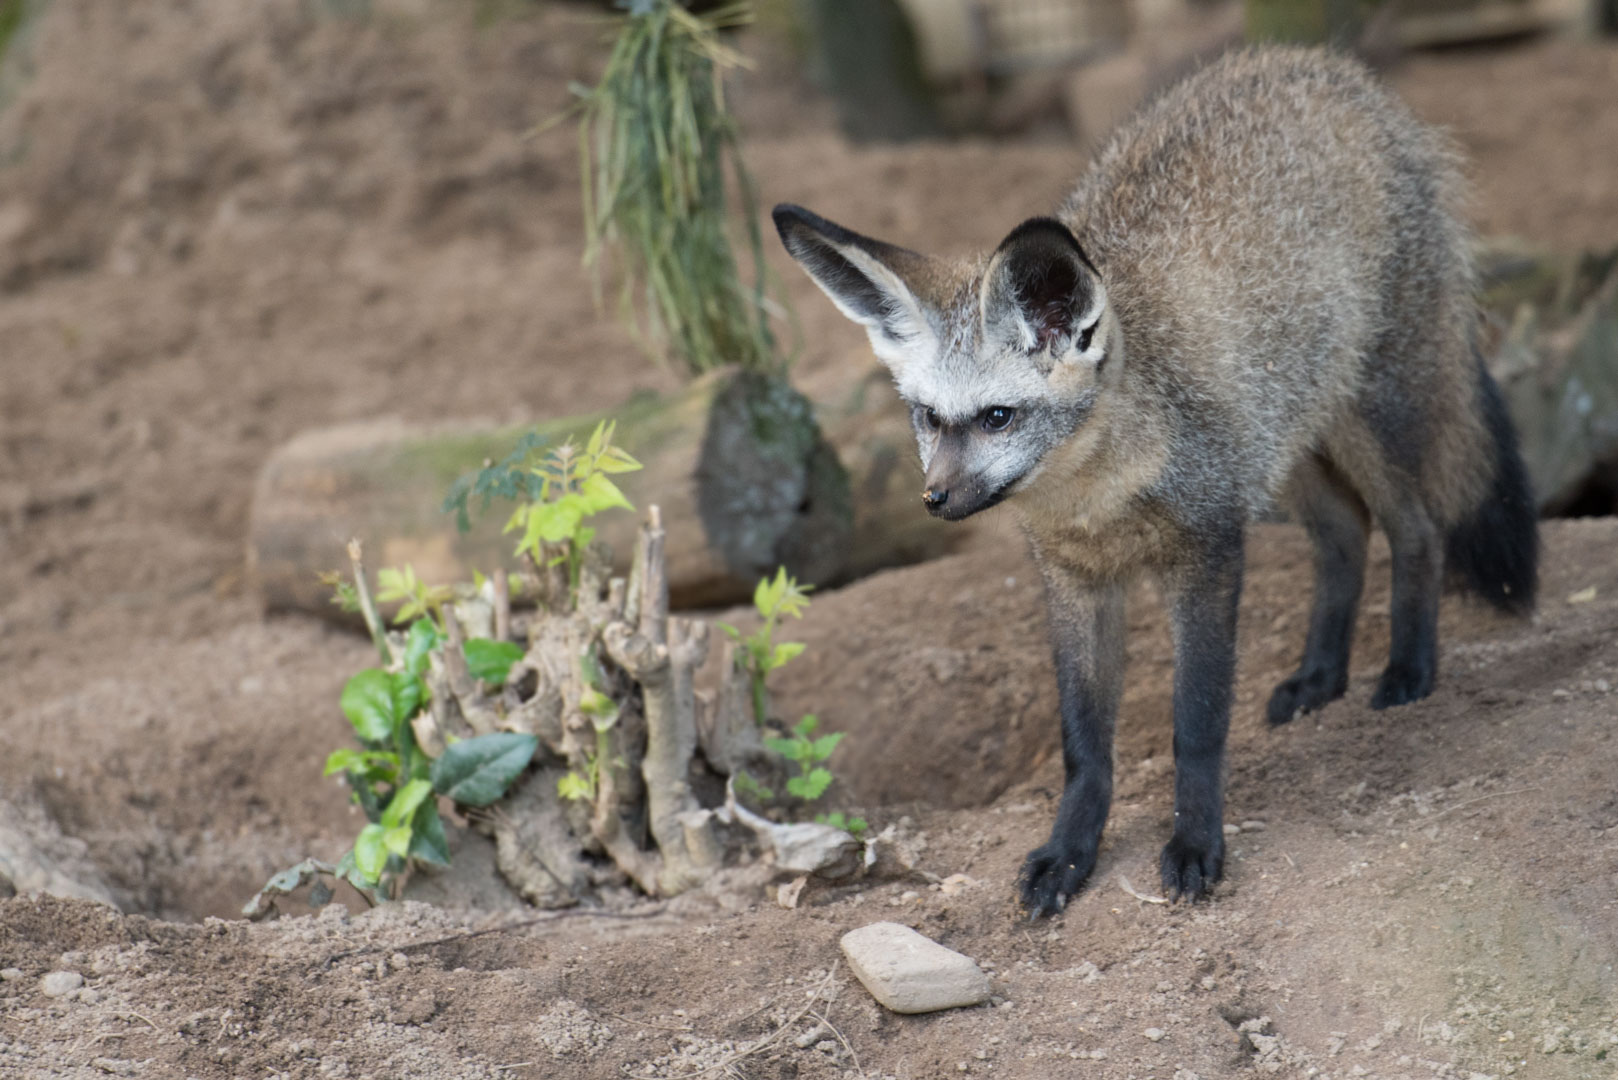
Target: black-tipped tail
column 1494, row 552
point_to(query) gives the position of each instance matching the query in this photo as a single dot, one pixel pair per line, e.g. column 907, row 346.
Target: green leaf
column 823, row 746
column 784, row 652
column 555, row 522
column 405, row 694
column 397, row 840
column 574, row 787
column 367, row 701
column 807, row 725
column 491, row 660
column 746, row 785
column 761, row 597
column 600, row 435
column 427, row 840
column 393, row 584
column 594, row 703
column 422, row 639
column 342, row 760
column 370, row 854
column 735, row 634
column 367, row 764
column 477, row 771
column 787, row 748
column 404, row 803
column 600, row 493
column 810, row 786
column 616, row 460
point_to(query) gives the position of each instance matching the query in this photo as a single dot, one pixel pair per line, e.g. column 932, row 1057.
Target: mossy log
column 746, row 480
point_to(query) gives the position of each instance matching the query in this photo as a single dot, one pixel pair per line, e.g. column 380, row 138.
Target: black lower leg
column 1418, row 567
column 1087, row 631
column 1338, row 523
column 1203, row 608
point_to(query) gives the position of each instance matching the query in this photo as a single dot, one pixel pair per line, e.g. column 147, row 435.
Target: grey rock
column 60, row 983
column 909, row 973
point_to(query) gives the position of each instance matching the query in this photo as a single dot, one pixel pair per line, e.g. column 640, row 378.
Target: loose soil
column 257, row 218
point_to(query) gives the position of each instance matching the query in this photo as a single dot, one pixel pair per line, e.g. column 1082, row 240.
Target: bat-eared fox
column 1259, row 296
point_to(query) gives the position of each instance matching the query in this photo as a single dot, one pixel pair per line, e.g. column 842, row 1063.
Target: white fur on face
column 990, row 364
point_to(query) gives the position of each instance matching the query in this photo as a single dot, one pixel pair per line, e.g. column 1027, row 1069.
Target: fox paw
column 1191, row 869
column 1305, row 691
column 1052, row 874
column 1401, row 684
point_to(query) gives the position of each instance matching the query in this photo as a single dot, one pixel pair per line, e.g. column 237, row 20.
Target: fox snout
column 949, row 495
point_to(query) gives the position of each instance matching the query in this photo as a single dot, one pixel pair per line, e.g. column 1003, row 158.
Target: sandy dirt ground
column 255, row 220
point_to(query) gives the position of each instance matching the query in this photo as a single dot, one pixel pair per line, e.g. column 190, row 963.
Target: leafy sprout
column 573, row 484
column 774, row 599
column 510, row 478
column 807, row 753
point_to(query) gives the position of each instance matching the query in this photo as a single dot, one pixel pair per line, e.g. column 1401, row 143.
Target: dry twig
column 1123, row 883
column 468, row 935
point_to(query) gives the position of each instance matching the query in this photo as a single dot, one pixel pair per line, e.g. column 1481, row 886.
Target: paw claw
column 1191, row 869
column 1050, row 877
column 1304, row 691
column 1400, row 685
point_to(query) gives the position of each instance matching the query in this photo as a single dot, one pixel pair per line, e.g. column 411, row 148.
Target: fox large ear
column 1040, row 289
column 875, row 284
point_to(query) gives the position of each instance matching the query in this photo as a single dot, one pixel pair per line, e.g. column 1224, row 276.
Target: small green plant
column 414, row 597
column 858, row 826
column 807, row 752
column 603, row 713
column 774, row 599
column 394, row 782
column 573, row 484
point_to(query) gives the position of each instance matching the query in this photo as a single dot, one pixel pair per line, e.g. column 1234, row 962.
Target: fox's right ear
column 869, row 281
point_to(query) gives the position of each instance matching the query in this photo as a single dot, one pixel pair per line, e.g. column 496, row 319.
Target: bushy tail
column 1494, row 551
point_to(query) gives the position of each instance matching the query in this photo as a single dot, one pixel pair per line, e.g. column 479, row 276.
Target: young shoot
column 574, row 484
column 774, row 599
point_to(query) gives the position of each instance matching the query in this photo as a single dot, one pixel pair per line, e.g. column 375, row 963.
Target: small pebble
column 1232, row 830
column 1559, row 694
column 1154, row 1034
column 1604, row 686
column 10, row 974
column 60, row 983
column 1252, row 826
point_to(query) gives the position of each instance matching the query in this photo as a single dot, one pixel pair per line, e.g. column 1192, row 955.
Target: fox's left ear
column 882, row 287
column 1040, row 289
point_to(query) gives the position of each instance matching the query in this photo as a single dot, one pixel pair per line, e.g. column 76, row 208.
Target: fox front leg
column 1087, row 636
column 1202, row 603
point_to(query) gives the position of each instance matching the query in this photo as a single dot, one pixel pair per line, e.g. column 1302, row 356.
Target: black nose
column 934, row 498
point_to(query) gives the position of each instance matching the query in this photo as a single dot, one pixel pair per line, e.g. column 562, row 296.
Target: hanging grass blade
column 654, row 144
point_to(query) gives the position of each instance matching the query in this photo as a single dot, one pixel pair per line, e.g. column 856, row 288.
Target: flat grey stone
column 909, row 973
column 60, row 983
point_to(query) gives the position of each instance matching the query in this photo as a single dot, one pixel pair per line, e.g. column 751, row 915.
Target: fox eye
column 997, row 417
column 1084, row 337
column 932, row 419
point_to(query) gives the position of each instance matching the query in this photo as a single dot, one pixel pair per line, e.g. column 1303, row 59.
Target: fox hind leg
column 1418, row 571
column 1338, row 523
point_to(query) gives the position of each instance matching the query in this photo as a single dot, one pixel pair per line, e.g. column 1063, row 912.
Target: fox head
column 1001, row 358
